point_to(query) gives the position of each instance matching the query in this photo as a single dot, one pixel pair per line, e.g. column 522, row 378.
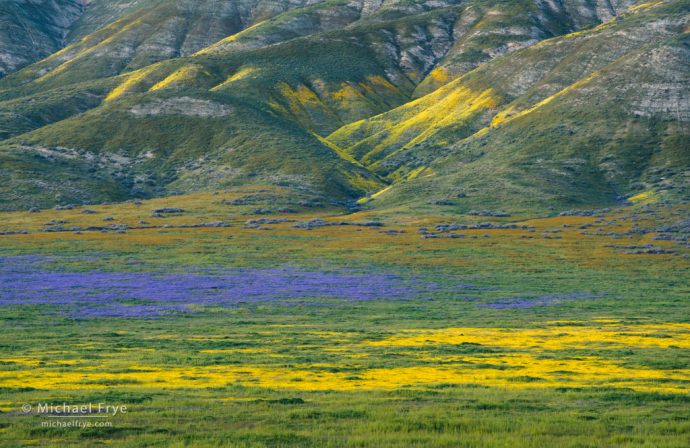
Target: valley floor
column 217, row 324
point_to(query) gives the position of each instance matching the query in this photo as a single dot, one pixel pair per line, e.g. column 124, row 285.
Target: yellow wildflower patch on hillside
column 646, row 197
column 180, row 76
column 240, row 74
column 132, row 80
column 444, row 109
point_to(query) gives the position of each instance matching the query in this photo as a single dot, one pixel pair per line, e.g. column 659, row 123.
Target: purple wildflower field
column 531, row 302
column 35, row 280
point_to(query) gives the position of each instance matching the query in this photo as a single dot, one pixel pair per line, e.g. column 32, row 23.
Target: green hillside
column 443, row 104
column 590, row 118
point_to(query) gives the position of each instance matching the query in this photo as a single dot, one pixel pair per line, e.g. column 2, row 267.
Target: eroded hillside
column 447, row 103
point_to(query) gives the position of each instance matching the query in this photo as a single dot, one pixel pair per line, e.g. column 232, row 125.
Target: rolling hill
column 439, row 104
column 590, row 118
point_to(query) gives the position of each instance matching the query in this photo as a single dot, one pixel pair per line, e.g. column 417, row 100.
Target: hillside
column 336, row 99
column 30, row 31
column 590, row 118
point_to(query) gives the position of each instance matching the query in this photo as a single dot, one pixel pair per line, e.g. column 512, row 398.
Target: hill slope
column 588, row 118
column 173, row 95
column 30, row 31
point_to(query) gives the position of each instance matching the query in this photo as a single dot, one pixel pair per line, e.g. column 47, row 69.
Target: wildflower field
column 216, row 325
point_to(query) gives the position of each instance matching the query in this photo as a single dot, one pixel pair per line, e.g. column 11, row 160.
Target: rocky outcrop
column 32, row 30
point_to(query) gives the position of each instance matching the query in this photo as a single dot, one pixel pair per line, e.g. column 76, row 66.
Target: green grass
column 548, row 408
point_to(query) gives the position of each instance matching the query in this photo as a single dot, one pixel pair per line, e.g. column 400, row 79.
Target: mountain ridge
column 312, row 83
column 381, row 147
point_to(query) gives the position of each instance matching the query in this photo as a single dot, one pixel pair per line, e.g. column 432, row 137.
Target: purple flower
column 29, row 280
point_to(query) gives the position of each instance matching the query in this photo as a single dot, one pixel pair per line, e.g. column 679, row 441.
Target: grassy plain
column 568, row 331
